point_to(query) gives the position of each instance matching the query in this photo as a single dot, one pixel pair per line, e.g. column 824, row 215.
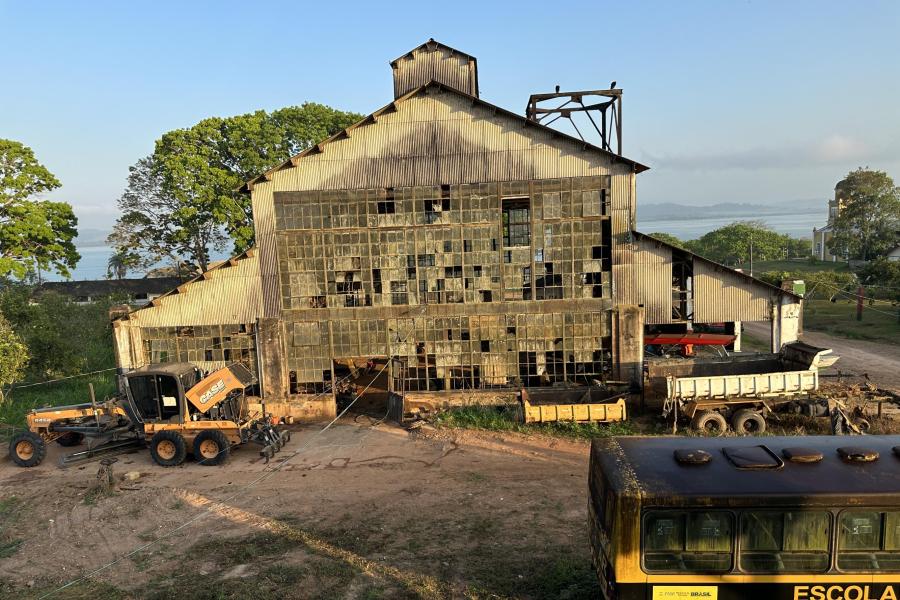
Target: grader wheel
column 211, row 447
column 168, row 448
column 27, row 449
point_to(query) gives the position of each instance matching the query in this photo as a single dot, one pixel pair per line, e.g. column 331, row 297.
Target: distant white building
column 894, row 255
column 821, row 236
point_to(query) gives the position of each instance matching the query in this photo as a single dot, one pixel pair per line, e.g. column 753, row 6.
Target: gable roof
column 430, row 46
column 436, row 86
column 181, row 286
column 741, row 274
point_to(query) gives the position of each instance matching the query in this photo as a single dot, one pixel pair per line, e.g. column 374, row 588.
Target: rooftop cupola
column 433, row 61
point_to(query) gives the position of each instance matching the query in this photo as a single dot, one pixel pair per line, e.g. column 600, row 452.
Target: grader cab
column 170, row 408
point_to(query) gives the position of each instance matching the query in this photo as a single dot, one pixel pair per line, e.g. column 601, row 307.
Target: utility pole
column 751, row 254
column 859, row 303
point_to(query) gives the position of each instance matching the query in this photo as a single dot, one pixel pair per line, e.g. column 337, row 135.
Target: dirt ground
column 361, row 511
column 880, row 361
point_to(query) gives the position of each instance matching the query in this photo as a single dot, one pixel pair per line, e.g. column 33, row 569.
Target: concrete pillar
column 786, row 321
column 273, row 377
column 736, row 346
column 628, row 344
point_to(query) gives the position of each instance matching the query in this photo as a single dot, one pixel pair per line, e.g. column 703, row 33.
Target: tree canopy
column 34, row 233
column 182, row 201
column 868, row 220
column 13, row 355
column 731, row 244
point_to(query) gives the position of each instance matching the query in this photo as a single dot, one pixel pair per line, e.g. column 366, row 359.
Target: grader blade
column 103, row 450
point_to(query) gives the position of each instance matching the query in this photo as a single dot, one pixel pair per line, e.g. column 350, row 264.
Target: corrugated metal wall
column 643, row 275
column 230, row 294
column 440, row 64
column 721, row 295
column 433, row 139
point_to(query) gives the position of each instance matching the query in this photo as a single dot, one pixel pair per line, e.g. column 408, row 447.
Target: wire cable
column 265, row 475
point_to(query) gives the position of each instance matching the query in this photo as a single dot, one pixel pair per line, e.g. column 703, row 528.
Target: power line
column 265, row 475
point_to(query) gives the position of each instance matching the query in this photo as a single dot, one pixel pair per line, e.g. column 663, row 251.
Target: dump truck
column 740, row 391
column 170, row 408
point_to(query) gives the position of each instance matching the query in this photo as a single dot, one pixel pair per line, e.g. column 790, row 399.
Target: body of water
column 91, row 266
column 798, row 225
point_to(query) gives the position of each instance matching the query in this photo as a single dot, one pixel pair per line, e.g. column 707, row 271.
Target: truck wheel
column 27, row 449
column 168, row 448
column 70, row 438
column 211, row 447
column 747, row 421
column 709, row 422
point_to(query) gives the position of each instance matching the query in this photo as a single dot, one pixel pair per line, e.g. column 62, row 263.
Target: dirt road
column 880, row 361
column 362, row 512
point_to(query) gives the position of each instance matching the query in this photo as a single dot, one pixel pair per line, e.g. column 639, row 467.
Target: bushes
column 13, row 355
column 62, row 338
column 819, row 284
column 882, row 279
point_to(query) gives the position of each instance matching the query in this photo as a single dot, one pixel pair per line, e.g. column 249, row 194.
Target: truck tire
column 70, row 438
column 211, row 447
column 709, row 422
column 168, row 448
column 27, row 449
column 747, row 421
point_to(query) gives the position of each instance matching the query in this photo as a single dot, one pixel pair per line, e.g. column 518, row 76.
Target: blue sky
column 765, row 102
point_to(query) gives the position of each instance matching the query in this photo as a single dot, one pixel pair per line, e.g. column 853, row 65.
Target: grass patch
column 19, row 401
column 230, row 551
column 508, row 418
column 10, row 509
column 9, row 548
column 95, row 494
column 839, row 319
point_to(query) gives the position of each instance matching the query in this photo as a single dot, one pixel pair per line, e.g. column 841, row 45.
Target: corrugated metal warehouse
column 476, row 249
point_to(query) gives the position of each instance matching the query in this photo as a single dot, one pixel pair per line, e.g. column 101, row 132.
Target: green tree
column 13, row 355
column 194, row 175
column 34, row 233
column 118, row 264
column 63, row 338
column 882, row 279
column 868, row 221
column 155, row 226
column 669, row 239
column 731, row 244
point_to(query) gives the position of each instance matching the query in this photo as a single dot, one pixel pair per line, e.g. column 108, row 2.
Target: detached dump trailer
column 582, row 405
column 736, row 393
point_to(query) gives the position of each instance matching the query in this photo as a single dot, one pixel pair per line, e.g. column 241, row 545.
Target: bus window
column 869, row 541
column 693, row 542
column 785, row 542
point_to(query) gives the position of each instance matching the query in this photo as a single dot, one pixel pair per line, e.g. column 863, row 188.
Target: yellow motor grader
column 170, row 408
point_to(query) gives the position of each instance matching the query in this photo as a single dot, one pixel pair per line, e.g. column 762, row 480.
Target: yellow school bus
column 772, row 518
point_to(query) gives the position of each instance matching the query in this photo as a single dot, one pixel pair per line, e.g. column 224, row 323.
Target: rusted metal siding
column 643, row 275
column 439, row 137
column 227, row 294
column 435, row 138
column 435, row 63
column 722, row 295
column 210, row 321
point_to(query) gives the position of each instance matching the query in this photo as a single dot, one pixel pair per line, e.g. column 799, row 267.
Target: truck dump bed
column 792, row 372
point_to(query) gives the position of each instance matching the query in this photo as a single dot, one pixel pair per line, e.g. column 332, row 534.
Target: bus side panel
column 811, row 590
column 630, row 578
